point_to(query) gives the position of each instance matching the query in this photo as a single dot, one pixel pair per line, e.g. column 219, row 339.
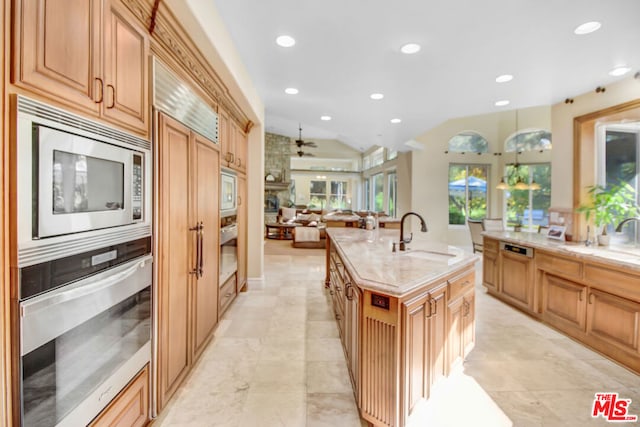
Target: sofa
column 306, row 220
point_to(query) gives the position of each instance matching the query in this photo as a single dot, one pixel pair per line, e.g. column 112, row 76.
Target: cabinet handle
column 590, row 298
column 196, row 269
column 99, row 100
column 337, row 316
column 348, row 294
column 465, row 283
column 330, row 291
column 580, row 295
column 239, row 162
column 201, row 263
column 113, row 96
column 239, row 200
column 338, row 288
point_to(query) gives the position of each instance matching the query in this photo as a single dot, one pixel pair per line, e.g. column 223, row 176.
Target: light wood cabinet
column 352, row 332
column 233, row 143
column 516, row 284
column 242, row 233
column 88, row 54
column 460, row 319
column 188, row 236
column 490, row 265
column 614, row 320
column 130, row 408
column 564, row 303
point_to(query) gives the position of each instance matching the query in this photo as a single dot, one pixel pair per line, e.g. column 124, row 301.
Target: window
column 392, row 154
column 318, row 195
column 377, row 157
column 528, row 140
column 468, row 142
column 392, row 202
column 620, row 162
column 378, row 192
column 338, row 196
column 467, row 192
column 528, row 207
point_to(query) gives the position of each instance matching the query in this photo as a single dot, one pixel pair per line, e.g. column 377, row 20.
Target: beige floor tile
column 328, row 377
column 230, row 348
column 325, row 349
column 246, row 328
column 322, row 329
column 279, row 376
column 332, row 410
column 207, row 410
column 283, row 348
column 274, row 410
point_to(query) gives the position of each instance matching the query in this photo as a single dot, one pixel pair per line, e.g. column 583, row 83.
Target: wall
column 562, row 116
column 277, row 162
column 430, row 167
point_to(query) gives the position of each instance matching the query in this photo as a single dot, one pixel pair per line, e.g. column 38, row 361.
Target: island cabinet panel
column 564, row 303
column 517, row 280
column 89, row 54
column 130, row 408
column 353, row 313
column 460, row 327
column 437, row 337
column 614, row 320
column 416, row 351
column 188, row 245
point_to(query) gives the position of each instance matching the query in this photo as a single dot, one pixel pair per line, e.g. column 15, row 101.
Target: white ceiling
column 347, row 49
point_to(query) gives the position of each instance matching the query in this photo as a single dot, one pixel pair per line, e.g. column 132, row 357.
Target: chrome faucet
column 403, row 241
column 624, row 221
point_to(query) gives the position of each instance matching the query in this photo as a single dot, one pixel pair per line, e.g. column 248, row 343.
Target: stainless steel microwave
column 228, row 193
column 80, row 184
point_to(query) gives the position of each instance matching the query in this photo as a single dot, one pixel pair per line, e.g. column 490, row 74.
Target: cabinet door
column 174, row 258
column 564, row 303
column 226, row 134
column 455, row 322
column 125, row 71
column 437, row 336
column 205, row 188
column 490, row 269
column 468, row 322
column 416, row 351
column 517, row 283
column 241, row 150
column 352, row 334
column 242, row 233
column 614, row 320
column 58, row 50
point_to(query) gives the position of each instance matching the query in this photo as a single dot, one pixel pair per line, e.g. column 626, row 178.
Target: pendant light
column 520, row 184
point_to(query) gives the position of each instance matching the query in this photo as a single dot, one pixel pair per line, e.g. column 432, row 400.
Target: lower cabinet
column 564, row 303
column 460, row 320
column 490, row 266
column 130, row 408
column 351, row 339
column 615, row 321
column 517, row 280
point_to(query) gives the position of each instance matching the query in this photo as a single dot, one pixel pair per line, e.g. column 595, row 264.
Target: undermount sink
column 429, row 255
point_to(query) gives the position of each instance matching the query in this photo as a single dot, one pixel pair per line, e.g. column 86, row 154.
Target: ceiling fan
column 300, row 143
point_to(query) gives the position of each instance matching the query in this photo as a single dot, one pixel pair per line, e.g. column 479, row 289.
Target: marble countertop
column 624, row 256
column 368, row 257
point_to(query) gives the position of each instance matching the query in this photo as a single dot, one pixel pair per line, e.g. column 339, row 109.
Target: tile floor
column 276, row 360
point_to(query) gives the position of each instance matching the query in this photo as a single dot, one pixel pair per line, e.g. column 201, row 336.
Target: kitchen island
column 406, row 318
column 590, row 293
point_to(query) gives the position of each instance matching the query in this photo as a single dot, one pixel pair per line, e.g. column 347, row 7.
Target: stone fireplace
column 277, row 167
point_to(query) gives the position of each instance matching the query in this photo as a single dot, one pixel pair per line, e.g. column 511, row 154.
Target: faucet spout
column 626, row 220
column 403, row 240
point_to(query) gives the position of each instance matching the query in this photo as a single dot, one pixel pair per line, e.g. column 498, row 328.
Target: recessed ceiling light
column 502, row 103
column 504, row 78
column 376, row 96
column 410, row 48
column 325, row 118
column 395, row 121
column 291, row 91
column 619, row 71
column 587, row 27
column 285, row 41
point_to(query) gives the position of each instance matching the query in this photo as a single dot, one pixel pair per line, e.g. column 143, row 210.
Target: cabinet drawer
column 460, row 284
column 227, row 293
column 566, row 267
column 613, row 281
column 490, row 244
column 130, row 408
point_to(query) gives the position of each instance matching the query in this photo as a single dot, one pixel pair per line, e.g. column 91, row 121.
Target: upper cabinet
column 86, row 53
column 233, row 143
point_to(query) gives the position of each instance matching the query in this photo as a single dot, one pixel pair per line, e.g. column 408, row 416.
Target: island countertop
column 368, row 257
column 623, row 256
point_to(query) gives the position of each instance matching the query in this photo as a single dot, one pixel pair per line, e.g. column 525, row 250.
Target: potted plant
column 609, row 205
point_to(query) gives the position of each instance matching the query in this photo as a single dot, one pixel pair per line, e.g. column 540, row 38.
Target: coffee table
column 275, row 230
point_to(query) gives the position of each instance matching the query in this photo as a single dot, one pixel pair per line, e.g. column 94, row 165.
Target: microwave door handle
column 54, row 298
column 201, row 250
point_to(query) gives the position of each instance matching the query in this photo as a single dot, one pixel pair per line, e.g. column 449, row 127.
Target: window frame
column 466, row 191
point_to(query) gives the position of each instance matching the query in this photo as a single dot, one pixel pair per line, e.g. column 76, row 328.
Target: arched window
column 528, row 140
column 468, row 141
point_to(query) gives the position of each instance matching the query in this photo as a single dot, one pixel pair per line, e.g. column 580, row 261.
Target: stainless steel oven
column 228, row 251
column 85, row 331
column 80, row 184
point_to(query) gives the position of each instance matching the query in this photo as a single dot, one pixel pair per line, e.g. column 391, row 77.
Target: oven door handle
column 53, row 298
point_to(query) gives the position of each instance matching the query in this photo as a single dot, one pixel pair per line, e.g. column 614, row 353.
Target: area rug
column 283, row 247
